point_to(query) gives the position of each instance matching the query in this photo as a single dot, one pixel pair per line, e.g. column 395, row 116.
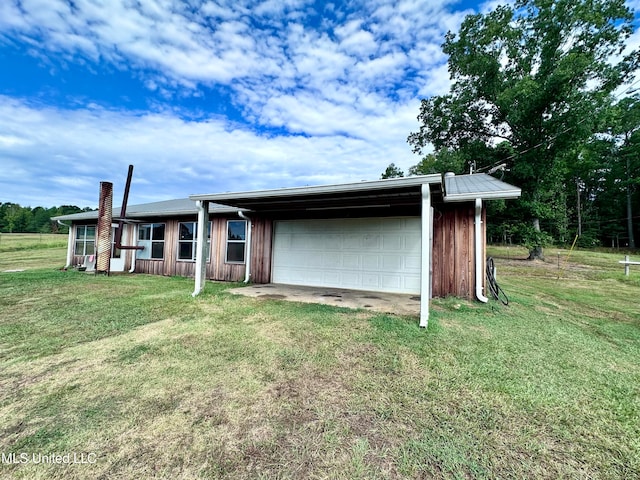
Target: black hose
column 492, row 284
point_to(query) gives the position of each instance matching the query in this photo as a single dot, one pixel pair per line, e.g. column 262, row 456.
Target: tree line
column 17, row 219
column 542, row 96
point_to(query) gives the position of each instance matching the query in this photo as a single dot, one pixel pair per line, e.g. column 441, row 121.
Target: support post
column 70, row 246
column 425, row 270
column 201, row 247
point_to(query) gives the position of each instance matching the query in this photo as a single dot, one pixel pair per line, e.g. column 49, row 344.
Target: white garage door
column 378, row 254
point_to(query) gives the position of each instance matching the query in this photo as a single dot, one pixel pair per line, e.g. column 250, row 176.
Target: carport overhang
column 396, row 193
column 379, row 197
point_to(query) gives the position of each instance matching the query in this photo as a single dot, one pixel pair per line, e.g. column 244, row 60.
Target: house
column 422, row 235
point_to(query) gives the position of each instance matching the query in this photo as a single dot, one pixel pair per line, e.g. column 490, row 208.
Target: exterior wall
column 261, row 247
column 453, row 260
column 452, row 255
column 127, row 239
column 217, row 268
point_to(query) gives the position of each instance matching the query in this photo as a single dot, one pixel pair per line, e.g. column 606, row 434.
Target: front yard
column 139, row 380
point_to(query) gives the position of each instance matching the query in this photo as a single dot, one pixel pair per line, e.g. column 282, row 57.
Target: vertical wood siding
column 261, row 241
column 453, row 250
column 452, row 256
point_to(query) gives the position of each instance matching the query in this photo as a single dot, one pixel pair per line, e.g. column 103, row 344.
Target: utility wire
column 554, row 137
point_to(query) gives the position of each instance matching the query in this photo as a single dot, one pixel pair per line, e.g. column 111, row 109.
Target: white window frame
column 83, row 238
column 193, row 242
column 146, row 254
column 230, row 240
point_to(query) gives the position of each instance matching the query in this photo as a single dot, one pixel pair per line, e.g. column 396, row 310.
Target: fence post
column 626, row 265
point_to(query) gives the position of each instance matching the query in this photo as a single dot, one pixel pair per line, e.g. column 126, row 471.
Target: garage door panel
column 369, row 254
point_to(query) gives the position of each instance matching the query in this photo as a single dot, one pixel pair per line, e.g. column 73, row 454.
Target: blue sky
column 212, row 96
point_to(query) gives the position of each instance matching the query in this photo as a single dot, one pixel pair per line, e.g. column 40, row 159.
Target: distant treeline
column 17, row 219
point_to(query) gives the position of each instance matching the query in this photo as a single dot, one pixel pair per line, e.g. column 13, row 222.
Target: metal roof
column 388, row 192
column 366, row 194
column 177, row 207
column 462, row 188
column 396, row 192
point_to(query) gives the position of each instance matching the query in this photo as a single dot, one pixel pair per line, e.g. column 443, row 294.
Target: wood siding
column 452, row 255
column 261, row 243
column 217, row 267
column 453, row 250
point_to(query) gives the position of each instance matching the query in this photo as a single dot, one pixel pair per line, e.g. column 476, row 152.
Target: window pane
column 185, row 250
column 90, row 248
column 80, row 234
column 146, row 253
column 235, row 252
column 144, row 232
column 158, row 231
column 91, row 232
column 115, row 252
column 236, row 230
column 79, row 250
column 157, row 250
column 186, row 231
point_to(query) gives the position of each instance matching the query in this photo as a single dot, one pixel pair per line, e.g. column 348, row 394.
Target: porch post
column 201, row 247
column 425, row 269
column 70, row 246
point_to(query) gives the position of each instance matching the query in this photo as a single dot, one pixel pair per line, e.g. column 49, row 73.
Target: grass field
column 32, row 250
column 140, row 380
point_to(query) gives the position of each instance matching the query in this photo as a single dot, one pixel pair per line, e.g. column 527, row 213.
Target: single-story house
column 421, row 235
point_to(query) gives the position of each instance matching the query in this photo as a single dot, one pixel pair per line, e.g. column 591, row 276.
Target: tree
column 392, row 171
column 538, row 75
column 626, row 131
column 443, row 161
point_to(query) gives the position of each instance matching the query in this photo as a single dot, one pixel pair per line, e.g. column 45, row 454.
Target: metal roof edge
column 93, row 214
column 324, row 189
column 465, row 197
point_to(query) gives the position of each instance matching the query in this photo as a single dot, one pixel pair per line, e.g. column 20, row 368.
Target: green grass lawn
column 155, row 384
column 32, row 250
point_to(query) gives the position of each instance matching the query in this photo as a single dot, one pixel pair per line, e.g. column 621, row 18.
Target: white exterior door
column 116, row 263
column 377, row 254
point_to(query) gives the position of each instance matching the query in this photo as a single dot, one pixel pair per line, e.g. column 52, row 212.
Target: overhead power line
column 554, row 137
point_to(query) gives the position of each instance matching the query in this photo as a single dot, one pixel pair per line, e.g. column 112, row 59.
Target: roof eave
column 321, row 189
column 466, row 197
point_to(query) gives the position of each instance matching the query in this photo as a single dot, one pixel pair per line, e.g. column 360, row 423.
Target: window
column 85, row 240
column 151, row 237
column 236, row 239
column 187, row 240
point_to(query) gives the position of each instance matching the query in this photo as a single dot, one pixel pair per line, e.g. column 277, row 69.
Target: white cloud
column 343, row 96
column 174, row 157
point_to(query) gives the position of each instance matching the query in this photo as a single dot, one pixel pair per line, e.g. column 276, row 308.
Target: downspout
column 69, row 244
column 478, row 252
column 247, row 270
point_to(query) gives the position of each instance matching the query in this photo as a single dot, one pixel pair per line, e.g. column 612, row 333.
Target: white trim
column 479, row 258
column 226, row 243
column 70, row 247
column 194, row 242
column 150, row 241
column 247, row 247
column 425, row 269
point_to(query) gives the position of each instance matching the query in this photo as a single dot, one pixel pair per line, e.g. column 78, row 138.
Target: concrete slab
column 375, row 301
